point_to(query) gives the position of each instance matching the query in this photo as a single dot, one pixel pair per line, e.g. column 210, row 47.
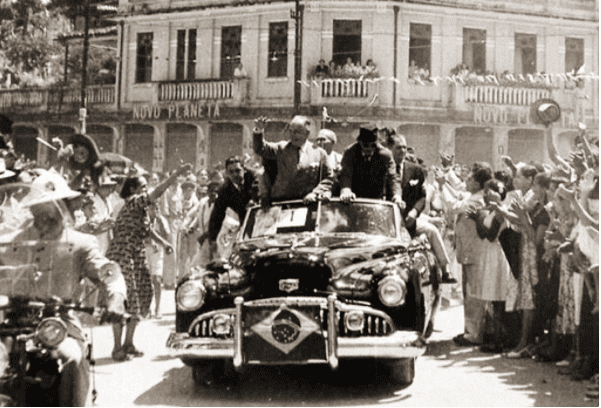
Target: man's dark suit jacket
column 237, row 199
column 369, row 179
column 412, row 184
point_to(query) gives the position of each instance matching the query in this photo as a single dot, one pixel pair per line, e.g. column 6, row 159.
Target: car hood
column 343, row 253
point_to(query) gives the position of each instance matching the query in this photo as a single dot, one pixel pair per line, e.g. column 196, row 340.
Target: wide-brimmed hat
column 190, row 181
column 368, row 133
column 89, row 143
column 328, row 135
column 49, row 186
column 4, row 173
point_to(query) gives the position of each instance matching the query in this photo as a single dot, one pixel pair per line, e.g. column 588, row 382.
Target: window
column 474, row 49
column 144, row 58
column 278, row 50
column 574, row 54
column 347, row 41
column 231, row 44
column 420, row 47
column 185, row 66
column 525, row 54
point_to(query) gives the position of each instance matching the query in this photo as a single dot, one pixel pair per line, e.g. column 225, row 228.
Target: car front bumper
column 396, row 345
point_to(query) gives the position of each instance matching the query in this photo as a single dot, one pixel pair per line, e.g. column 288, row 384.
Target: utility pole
column 84, row 67
column 297, row 15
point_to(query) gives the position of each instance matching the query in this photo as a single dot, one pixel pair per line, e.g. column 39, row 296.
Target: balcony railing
column 51, row 98
column 235, row 90
column 497, row 95
column 353, row 91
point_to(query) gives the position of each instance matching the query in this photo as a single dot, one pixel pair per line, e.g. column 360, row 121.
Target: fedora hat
column 368, row 133
column 328, row 135
column 49, row 186
column 545, row 111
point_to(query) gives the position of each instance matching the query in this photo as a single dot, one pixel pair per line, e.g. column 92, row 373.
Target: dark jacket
column 230, row 196
column 369, row 179
column 412, row 184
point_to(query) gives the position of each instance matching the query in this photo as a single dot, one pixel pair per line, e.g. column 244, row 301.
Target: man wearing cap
column 368, row 170
column 302, row 169
column 65, row 256
column 326, row 139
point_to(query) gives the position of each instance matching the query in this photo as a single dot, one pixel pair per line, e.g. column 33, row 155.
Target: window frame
column 469, row 48
column 277, row 56
column 143, row 73
column 339, row 56
column 415, row 48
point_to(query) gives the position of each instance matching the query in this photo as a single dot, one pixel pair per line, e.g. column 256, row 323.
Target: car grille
column 372, row 326
column 202, row 328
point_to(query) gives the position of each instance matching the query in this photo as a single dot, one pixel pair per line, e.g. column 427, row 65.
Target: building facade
column 455, row 76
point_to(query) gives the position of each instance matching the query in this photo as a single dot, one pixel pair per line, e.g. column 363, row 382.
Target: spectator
column 321, row 70
column 155, row 250
column 240, row 72
column 326, row 139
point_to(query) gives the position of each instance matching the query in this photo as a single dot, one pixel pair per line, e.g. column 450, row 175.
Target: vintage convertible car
column 324, row 283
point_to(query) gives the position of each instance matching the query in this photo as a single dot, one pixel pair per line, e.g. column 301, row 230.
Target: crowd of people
column 523, row 241
column 350, row 69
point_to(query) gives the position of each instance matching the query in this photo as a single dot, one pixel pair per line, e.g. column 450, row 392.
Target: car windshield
column 335, row 218
column 27, row 263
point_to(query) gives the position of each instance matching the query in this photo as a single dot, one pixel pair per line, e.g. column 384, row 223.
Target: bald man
column 302, row 168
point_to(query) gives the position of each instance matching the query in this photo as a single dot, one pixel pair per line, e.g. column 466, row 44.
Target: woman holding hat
column 127, row 248
column 82, row 159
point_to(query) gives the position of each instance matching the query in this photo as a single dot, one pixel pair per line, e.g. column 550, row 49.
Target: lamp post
column 84, row 67
column 297, row 15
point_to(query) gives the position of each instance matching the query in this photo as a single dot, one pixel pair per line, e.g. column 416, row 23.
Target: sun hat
column 328, row 135
column 89, row 143
column 49, row 186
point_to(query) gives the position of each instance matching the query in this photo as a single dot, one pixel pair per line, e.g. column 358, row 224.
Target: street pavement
column 446, row 375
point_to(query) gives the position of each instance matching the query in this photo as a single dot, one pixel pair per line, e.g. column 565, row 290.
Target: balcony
column 55, row 98
column 233, row 92
column 345, row 91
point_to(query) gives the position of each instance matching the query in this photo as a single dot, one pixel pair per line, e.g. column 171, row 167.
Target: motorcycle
column 43, row 348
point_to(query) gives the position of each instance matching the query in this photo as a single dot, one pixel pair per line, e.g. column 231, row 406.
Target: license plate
column 288, row 285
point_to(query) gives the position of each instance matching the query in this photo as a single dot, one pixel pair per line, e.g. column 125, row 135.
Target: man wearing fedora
column 368, row 170
column 65, row 256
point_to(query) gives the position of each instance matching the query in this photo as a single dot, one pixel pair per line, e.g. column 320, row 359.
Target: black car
column 323, row 283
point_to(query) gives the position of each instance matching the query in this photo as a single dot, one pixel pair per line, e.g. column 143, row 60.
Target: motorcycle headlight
column 392, row 291
column 51, row 332
column 354, row 320
column 221, row 324
column 190, row 295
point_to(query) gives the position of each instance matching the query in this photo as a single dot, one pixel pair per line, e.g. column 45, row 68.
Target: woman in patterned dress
column 127, row 248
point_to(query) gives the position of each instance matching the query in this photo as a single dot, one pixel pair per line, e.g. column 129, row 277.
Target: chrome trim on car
column 332, row 333
column 397, row 345
column 238, row 333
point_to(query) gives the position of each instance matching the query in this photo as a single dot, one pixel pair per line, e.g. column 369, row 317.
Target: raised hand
column 261, row 121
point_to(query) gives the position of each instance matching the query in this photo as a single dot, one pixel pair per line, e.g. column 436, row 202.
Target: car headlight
column 392, row 291
column 354, row 320
column 190, row 295
column 221, row 324
column 51, row 332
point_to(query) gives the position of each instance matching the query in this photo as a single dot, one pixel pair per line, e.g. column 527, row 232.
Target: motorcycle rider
column 59, row 249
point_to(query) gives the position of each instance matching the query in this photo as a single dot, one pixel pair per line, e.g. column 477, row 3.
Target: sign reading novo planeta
column 200, row 110
column 505, row 115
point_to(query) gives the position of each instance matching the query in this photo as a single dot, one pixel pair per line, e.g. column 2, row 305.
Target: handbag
column 511, row 242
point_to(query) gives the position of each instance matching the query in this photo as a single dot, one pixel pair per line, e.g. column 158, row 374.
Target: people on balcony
column 240, row 71
column 321, row 70
column 349, row 70
column 418, row 74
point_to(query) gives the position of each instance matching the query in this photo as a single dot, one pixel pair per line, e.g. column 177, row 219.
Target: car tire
column 401, row 371
column 208, row 372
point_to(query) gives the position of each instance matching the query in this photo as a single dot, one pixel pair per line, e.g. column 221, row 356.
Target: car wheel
column 208, row 372
column 401, row 371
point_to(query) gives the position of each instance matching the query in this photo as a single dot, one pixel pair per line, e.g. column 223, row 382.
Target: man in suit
column 412, row 179
column 368, row 170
